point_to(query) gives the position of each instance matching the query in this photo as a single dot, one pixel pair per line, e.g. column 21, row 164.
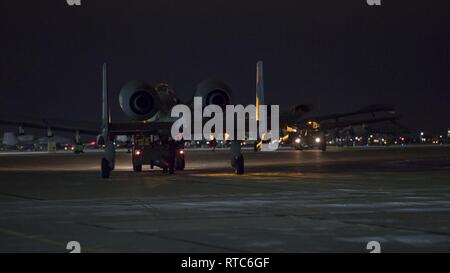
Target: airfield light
column 297, row 140
column 317, row 139
column 92, row 142
column 421, row 133
column 181, row 152
column 137, row 152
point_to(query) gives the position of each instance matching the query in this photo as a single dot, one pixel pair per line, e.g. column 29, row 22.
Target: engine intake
column 139, row 100
column 213, row 92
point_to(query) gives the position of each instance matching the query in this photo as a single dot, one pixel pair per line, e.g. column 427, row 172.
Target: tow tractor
column 154, row 151
column 307, row 139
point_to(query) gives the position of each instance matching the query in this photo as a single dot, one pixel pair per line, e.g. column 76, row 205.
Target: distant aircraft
column 310, row 132
column 11, row 141
column 52, row 141
column 28, row 142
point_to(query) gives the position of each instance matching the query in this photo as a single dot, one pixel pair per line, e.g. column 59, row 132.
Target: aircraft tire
column 239, row 169
column 137, row 168
column 105, row 168
column 179, row 164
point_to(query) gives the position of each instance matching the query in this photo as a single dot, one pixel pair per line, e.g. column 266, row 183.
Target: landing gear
column 106, row 170
column 237, row 159
column 238, row 164
column 108, row 161
column 179, row 163
column 137, row 168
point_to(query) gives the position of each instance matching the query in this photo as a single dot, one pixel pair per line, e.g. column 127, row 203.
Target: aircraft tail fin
column 106, row 114
column 259, row 87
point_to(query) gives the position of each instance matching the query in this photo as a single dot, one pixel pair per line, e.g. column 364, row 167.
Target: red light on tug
column 137, row 152
column 181, row 152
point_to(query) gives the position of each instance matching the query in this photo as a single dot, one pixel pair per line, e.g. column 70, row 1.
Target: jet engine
column 139, row 100
column 213, row 92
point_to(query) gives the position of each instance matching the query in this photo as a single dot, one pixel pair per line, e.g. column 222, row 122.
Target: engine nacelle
column 213, row 92
column 139, row 100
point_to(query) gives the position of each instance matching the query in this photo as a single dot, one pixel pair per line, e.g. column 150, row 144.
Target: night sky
column 337, row 55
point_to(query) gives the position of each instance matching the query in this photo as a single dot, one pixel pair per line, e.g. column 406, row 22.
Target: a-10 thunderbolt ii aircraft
column 150, row 110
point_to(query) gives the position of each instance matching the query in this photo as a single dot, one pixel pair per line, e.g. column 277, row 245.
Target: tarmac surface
column 287, row 201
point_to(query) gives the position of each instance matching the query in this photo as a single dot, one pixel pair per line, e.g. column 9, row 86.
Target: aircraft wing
column 128, row 128
column 131, row 128
column 46, row 126
column 343, row 124
column 371, row 109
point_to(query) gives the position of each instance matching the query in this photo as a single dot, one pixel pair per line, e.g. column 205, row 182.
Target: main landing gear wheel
column 137, row 168
column 179, row 164
column 238, row 164
column 106, row 169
